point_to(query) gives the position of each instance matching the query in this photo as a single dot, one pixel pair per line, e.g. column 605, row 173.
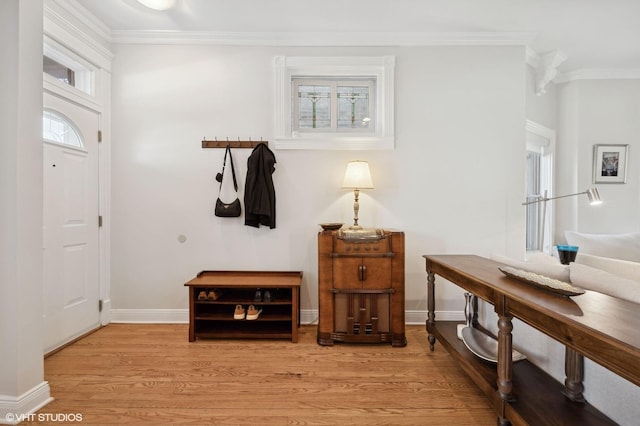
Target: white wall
column 598, row 112
column 22, row 386
column 454, row 183
column 540, row 108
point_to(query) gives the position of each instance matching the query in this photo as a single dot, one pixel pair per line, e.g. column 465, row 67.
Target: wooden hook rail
column 233, row 144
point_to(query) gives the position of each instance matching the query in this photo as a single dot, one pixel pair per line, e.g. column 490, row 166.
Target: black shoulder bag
column 232, row 209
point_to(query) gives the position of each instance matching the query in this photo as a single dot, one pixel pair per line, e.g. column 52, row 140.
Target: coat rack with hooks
column 233, row 144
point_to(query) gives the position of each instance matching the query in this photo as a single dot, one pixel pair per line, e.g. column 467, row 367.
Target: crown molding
column 531, row 57
column 598, row 74
column 57, row 26
column 547, row 70
column 82, row 14
column 321, row 38
column 545, row 66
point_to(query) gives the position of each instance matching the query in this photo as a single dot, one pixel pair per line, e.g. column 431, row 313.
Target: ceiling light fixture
column 158, row 4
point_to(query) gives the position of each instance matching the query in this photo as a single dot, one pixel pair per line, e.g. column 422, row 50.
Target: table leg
column 574, row 370
column 431, row 308
column 505, row 365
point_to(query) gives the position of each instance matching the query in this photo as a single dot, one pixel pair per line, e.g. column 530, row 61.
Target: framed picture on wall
column 610, row 163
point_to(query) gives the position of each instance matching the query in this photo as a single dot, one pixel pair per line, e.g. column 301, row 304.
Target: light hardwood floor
column 151, row 374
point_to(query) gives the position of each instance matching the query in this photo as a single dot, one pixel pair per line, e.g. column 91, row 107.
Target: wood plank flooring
column 151, row 374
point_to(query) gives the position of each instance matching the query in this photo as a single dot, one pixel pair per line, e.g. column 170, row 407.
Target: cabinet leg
column 431, row 308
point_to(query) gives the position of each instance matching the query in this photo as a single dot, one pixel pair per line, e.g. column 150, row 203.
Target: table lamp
column 357, row 177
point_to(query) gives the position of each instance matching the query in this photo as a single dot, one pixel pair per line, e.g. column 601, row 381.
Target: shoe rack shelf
column 213, row 317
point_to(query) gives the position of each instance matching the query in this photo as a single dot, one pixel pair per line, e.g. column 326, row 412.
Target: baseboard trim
column 307, row 316
column 14, row 410
column 150, row 316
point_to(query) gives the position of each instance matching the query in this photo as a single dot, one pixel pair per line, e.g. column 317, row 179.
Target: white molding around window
column 382, row 69
column 541, row 141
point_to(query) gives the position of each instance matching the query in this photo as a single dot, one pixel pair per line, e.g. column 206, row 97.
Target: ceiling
column 593, row 34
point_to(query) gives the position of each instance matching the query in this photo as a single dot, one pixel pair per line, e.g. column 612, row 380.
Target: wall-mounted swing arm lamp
column 592, row 194
column 357, row 177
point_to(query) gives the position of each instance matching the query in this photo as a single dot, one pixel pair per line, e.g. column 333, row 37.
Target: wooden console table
column 600, row 327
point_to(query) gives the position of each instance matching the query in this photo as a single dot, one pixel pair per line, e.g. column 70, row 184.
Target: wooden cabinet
column 213, row 317
column 361, row 288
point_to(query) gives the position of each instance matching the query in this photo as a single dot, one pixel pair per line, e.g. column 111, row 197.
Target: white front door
column 70, row 222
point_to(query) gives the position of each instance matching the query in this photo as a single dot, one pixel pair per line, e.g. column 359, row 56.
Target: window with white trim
column 333, row 105
column 62, row 67
column 539, row 183
column 334, row 102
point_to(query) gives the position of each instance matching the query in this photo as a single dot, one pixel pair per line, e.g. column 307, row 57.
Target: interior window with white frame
column 335, row 105
column 334, row 102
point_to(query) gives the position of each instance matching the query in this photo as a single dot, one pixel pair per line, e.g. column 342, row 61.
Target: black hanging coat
column 259, row 193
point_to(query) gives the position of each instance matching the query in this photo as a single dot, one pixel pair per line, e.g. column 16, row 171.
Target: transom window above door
column 57, row 128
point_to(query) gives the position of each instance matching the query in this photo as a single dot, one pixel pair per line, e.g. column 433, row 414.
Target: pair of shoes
column 253, row 313
column 263, row 297
column 214, row 294
column 238, row 313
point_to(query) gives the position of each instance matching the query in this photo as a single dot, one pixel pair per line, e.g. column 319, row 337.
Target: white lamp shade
column 594, row 196
column 357, row 176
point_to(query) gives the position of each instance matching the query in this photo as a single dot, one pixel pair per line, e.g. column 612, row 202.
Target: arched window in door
column 57, row 128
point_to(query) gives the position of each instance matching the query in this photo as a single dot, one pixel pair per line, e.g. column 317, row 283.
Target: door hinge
column 100, row 305
column 100, row 221
column 99, row 135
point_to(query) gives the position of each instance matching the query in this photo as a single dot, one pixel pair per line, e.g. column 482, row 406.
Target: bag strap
column 233, row 170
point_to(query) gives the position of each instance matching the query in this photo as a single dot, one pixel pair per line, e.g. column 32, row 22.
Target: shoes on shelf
column 258, row 296
column 267, row 296
column 213, row 294
column 202, row 295
column 253, row 313
column 239, row 312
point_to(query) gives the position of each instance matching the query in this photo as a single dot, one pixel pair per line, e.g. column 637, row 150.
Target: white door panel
column 70, row 229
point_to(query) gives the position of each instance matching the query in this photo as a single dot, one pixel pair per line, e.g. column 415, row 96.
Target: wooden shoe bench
column 214, row 318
